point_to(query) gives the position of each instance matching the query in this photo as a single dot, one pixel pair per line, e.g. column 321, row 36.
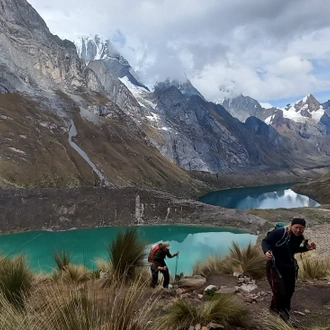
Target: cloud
column 264, row 49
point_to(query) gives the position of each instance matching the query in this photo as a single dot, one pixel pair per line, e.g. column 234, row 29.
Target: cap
column 298, row 221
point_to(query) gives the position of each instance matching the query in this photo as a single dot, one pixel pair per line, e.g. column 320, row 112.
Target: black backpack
column 285, row 235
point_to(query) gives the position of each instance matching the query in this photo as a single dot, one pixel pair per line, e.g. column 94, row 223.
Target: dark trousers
column 282, row 280
column 154, row 273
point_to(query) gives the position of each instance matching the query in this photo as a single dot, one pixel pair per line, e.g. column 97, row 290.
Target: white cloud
column 264, row 49
column 266, row 105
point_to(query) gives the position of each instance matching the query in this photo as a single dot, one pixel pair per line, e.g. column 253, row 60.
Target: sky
column 275, row 51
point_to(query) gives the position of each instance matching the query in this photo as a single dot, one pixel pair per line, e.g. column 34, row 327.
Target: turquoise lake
column 194, row 243
column 266, row 197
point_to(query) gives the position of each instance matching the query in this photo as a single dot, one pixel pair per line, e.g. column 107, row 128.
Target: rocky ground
column 311, row 301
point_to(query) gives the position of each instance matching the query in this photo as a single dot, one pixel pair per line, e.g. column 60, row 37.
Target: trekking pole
column 176, row 265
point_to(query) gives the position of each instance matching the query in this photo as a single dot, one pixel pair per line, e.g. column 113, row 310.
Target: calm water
column 84, row 245
column 268, row 197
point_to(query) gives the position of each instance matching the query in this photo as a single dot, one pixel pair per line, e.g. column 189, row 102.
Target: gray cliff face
column 204, row 136
column 326, row 105
column 242, row 107
column 59, row 126
column 116, row 90
column 31, row 56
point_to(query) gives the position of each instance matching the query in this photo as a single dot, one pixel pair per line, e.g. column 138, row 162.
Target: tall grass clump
column 76, row 274
column 15, row 279
column 313, row 269
column 126, row 254
column 62, row 259
column 224, row 310
column 12, row 318
column 117, row 307
column 273, row 322
column 212, row 266
column 249, row 261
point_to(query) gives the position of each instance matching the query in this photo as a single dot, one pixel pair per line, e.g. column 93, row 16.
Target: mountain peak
column 185, row 87
column 91, row 48
column 304, row 110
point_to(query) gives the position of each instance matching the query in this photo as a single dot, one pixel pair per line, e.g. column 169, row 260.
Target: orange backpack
column 152, row 252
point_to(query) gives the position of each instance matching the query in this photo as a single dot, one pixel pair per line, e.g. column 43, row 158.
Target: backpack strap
column 284, row 239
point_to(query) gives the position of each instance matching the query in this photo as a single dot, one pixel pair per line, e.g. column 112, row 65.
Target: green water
column 194, row 243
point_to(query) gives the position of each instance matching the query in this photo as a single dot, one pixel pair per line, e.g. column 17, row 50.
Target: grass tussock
column 15, row 280
column 127, row 254
column 248, row 261
column 87, row 307
column 76, row 273
column 62, row 259
column 224, row 310
column 313, row 269
column 213, row 265
column 272, row 322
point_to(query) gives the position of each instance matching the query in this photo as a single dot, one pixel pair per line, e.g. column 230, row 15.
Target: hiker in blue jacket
column 159, row 265
column 279, row 247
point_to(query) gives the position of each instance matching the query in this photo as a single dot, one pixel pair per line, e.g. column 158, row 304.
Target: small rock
column 211, row 287
column 192, row 281
column 191, row 327
column 307, row 311
column 200, row 296
column 248, row 287
column 198, row 327
column 215, row 326
column 300, row 313
column 226, row 290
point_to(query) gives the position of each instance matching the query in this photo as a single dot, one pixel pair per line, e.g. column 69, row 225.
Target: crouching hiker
column 279, row 247
column 157, row 257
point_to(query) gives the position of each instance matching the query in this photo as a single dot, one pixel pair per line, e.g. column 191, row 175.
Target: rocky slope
column 317, row 188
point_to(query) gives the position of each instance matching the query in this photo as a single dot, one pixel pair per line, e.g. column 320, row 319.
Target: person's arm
column 169, row 255
column 307, row 247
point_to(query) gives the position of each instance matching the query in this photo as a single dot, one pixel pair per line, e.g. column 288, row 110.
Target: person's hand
column 269, row 255
column 176, row 253
column 311, row 246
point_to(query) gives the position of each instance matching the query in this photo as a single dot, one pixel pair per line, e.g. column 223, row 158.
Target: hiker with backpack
column 279, row 247
column 157, row 257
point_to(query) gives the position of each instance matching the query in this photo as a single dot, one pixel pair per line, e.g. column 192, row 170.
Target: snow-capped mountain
column 95, row 48
column 306, row 110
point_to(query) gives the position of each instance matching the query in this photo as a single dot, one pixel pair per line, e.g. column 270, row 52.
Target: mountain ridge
column 67, row 123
